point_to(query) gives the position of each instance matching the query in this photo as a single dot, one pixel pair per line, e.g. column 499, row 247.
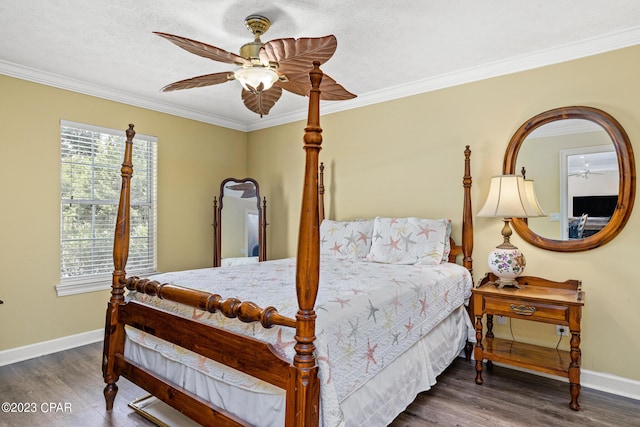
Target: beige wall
column 190, row 168
column 404, row 157
column 401, row 157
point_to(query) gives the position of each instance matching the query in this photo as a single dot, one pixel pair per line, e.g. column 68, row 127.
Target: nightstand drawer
column 527, row 309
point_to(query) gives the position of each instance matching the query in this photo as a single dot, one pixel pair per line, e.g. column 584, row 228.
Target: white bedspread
column 368, row 314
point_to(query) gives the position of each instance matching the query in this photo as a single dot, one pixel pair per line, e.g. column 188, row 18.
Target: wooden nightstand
column 539, row 300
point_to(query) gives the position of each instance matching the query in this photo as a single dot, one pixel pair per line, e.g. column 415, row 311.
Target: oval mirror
column 239, row 234
column 582, row 163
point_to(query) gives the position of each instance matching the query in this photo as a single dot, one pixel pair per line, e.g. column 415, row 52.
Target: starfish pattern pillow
column 345, row 239
column 409, row 240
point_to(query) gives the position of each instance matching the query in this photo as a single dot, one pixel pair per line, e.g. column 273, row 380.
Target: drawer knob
column 523, row 310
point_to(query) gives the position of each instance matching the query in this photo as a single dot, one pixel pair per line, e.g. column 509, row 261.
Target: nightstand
column 539, row 300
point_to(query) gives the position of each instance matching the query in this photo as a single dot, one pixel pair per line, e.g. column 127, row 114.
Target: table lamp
column 509, row 198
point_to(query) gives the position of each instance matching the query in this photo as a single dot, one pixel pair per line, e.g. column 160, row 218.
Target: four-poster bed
column 308, row 334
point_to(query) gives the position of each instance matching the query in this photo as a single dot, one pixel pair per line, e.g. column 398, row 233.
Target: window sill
column 86, row 285
column 81, row 287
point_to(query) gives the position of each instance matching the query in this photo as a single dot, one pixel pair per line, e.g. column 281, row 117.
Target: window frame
column 78, row 284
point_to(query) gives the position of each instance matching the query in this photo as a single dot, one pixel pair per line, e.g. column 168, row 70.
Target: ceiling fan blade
column 296, row 56
column 242, row 186
column 330, row 90
column 264, row 57
column 205, row 50
column 262, row 101
column 200, row 81
column 247, row 188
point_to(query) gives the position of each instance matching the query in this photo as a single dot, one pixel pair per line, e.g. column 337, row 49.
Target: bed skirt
column 377, row 402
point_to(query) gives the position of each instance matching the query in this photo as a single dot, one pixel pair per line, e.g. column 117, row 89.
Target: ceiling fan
column 264, row 69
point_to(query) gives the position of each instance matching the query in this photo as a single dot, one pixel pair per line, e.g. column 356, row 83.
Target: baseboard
column 601, row 381
column 19, row 354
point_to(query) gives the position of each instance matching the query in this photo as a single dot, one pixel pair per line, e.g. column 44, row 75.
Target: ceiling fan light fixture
column 284, row 63
column 251, row 77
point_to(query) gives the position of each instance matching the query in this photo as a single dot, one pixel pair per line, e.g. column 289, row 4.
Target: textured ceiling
column 385, row 49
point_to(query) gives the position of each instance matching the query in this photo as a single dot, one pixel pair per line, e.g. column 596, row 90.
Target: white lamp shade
column 530, row 192
column 508, row 199
column 251, row 77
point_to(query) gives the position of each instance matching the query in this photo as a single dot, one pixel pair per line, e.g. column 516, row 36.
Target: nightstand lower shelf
column 528, row 356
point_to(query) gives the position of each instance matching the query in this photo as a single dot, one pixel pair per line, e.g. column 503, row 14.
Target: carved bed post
column 321, row 192
column 307, row 396
column 467, row 218
column 216, row 224
column 467, row 234
column 114, row 332
column 262, row 249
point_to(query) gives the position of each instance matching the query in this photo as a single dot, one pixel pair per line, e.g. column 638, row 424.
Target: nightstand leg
column 478, row 350
column 489, row 325
column 574, row 370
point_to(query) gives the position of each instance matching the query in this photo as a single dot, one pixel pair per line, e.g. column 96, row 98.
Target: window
column 90, row 182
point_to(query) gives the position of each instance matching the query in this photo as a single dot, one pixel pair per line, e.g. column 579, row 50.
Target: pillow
column 409, row 241
column 447, row 242
column 345, row 239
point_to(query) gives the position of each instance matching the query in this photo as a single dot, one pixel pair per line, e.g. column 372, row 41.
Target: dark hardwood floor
column 65, row 389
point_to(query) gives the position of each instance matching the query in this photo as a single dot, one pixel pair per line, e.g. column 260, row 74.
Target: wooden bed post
column 467, row 236
column 307, row 394
column 321, row 192
column 467, row 216
column 216, row 224
column 262, row 255
column 114, row 331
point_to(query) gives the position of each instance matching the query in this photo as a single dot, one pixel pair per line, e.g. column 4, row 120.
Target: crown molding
column 541, row 58
column 55, row 80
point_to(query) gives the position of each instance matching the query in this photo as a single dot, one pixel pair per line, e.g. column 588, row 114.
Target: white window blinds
column 90, row 182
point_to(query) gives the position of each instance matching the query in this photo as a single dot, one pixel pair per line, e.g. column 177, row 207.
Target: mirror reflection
column 574, row 165
column 550, row 147
column 239, row 233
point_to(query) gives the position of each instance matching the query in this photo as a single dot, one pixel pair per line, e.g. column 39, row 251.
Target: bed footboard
column 254, row 357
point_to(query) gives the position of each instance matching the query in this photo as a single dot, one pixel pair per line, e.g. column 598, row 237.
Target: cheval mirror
column 582, row 163
column 239, row 236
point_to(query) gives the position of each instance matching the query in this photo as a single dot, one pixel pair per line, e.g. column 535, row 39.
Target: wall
column 401, row 158
column 190, row 169
column 404, row 158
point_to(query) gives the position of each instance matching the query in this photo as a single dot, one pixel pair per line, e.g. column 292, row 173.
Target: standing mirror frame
column 626, row 170
column 249, row 188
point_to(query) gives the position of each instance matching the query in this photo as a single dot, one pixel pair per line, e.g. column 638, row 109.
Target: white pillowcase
column 447, row 243
column 409, row 240
column 345, row 239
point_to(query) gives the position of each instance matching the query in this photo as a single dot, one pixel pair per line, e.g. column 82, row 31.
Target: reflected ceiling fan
column 247, row 188
column 585, row 174
column 264, row 69
column 585, row 171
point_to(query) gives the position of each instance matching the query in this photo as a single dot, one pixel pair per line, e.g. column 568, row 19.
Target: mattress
column 369, row 316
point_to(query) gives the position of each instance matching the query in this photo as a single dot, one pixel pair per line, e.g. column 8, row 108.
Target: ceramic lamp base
column 506, row 264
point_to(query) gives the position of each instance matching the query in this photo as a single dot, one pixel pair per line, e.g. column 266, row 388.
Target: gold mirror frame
column 626, row 169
